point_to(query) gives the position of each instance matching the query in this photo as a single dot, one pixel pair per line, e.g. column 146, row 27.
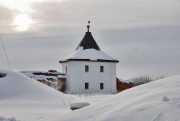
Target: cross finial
column 88, row 26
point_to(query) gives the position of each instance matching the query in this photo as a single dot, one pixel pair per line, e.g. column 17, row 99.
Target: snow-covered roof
column 88, row 50
column 88, row 55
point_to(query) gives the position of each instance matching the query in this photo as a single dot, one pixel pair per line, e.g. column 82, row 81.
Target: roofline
column 88, row 60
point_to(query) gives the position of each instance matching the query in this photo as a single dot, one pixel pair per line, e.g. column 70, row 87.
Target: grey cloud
column 142, row 35
column 6, row 17
column 160, row 35
column 107, row 14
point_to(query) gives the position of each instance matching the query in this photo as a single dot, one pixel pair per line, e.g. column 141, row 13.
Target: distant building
column 51, row 78
column 89, row 69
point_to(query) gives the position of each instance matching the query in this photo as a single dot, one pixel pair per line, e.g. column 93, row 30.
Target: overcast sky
column 144, row 35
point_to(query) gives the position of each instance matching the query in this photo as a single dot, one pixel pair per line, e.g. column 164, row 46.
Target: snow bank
column 26, row 99
column 91, row 54
column 19, row 86
column 155, row 101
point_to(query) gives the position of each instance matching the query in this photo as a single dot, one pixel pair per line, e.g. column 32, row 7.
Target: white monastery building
column 89, row 69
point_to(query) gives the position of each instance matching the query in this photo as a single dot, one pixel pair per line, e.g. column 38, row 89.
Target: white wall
column 77, row 77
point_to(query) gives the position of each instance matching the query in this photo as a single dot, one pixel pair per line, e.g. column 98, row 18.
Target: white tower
column 88, row 69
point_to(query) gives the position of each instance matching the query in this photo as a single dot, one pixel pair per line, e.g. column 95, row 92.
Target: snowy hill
column 26, row 99
column 155, row 101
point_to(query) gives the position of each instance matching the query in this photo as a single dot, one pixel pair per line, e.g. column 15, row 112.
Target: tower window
column 101, row 86
column 86, row 85
column 101, row 68
column 66, row 69
column 86, row 68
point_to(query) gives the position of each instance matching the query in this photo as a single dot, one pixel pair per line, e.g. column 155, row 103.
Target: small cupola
column 88, row 41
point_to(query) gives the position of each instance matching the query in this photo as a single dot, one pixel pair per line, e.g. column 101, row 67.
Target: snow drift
column 18, row 86
column 155, row 101
column 26, row 99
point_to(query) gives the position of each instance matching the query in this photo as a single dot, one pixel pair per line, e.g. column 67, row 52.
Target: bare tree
column 142, row 79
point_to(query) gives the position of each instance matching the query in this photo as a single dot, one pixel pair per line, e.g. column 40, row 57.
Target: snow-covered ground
column 28, row 100
column 89, row 98
column 155, row 101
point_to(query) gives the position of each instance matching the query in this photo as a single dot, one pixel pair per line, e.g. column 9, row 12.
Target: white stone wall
column 77, row 77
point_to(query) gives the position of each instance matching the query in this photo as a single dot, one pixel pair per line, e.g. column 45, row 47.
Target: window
column 86, row 85
column 66, row 69
column 101, row 85
column 101, row 68
column 86, row 68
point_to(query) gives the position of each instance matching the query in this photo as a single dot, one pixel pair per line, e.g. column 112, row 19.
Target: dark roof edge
column 98, row 60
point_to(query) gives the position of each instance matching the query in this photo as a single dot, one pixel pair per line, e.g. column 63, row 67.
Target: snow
column 91, row 54
column 28, row 100
column 155, row 101
column 128, row 80
column 91, row 98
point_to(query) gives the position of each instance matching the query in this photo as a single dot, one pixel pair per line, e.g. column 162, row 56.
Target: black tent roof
column 88, row 42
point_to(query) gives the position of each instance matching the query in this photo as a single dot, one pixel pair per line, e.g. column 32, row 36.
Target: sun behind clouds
column 22, row 8
column 22, row 22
